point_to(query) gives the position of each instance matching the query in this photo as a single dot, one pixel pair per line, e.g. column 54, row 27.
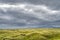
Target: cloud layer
column 28, row 14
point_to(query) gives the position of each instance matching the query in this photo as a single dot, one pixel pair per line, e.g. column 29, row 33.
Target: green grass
column 30, row 34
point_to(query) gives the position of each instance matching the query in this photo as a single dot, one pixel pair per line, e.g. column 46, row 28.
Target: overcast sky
column 29, row 13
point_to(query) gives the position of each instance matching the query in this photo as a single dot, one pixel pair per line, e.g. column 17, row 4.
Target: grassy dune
column 30, row 34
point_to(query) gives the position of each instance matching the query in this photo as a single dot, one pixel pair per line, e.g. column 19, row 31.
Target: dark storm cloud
column 29, row 13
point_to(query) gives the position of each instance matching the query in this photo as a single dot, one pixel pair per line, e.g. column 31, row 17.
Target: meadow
column 30, row 34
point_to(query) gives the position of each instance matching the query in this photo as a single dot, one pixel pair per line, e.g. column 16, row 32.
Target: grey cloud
column 31, row 15
column 53, row 4
column 12, row 1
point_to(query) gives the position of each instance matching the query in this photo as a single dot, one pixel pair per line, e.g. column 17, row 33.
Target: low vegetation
column 30, row 34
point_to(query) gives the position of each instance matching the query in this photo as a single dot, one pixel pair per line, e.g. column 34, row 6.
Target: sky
column 29, row 13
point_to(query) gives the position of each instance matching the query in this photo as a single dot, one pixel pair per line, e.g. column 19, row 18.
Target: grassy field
column 30, row 34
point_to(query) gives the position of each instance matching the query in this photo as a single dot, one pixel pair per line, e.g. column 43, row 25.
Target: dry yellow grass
column 30, row 34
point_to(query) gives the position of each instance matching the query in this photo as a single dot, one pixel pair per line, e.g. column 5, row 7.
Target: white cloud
column 39, row 11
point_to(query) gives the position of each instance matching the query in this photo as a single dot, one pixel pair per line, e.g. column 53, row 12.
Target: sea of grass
column 30, row 34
